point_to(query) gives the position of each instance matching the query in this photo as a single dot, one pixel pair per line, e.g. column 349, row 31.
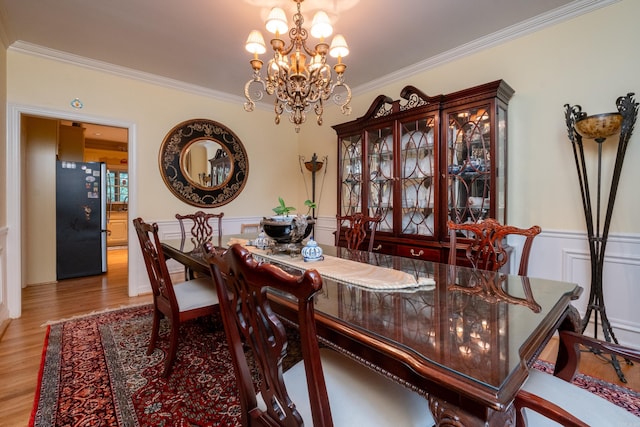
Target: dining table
column 464, row 338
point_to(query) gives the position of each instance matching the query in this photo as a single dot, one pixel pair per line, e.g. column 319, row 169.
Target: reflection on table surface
column 470, row 332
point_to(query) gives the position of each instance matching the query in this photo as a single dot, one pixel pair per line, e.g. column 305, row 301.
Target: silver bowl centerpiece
column 288, row 228
column 285, row 228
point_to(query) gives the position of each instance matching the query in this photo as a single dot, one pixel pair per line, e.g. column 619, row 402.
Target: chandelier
column 298, row 83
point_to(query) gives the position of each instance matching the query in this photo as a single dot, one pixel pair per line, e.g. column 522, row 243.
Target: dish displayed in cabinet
column 385, row 169
column 426, row 166
column 417, row 196
column 410, row 222
column 418, row 168
column 380, row 194
column 428, row 226
column 416, row 223
column 417, row 139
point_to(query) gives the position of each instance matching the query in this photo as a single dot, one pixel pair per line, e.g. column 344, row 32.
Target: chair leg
column 173, row 347
column 155, row 330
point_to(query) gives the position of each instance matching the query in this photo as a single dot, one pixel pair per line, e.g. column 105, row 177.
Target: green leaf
column 282, row 208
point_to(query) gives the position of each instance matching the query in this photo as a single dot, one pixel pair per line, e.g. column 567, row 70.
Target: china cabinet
column 421, row 160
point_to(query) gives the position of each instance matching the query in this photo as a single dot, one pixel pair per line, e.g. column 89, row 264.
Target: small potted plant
column 283, row 227
column 282, row 211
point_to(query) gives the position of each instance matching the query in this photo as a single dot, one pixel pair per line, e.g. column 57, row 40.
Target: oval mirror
column 203, row 163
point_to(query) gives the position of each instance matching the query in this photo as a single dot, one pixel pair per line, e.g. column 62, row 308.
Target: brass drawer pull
column 417, row 254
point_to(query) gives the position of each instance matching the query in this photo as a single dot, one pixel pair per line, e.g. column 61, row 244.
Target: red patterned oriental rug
column 95, row 372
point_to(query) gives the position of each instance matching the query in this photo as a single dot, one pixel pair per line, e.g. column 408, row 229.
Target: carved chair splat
column 486, row 249
column 358, row 227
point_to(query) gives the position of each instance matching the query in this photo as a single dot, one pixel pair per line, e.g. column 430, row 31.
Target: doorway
column 15, row 256
column 73, row 145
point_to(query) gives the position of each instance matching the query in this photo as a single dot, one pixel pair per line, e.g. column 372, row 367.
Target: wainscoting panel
column 564, row 256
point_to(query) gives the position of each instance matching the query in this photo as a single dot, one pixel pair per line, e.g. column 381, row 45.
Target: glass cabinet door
column 351, row 169
column 381, row 176
column 469, row 160
column 416, row 176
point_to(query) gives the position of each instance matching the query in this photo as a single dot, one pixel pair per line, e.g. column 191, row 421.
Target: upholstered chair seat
column 357, row 396
column 194, row 294
column 586, row 406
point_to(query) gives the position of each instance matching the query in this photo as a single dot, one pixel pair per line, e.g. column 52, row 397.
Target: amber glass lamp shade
column 599, row 126
column 313, row 166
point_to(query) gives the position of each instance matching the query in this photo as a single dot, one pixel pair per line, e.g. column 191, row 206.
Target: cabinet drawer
column 429, row 254
column 382, row 247
column 117, row 232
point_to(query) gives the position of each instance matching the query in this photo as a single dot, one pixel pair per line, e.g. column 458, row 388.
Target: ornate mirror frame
column 173, row 153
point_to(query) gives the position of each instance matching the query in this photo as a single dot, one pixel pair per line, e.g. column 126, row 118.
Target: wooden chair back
column 200, row 233
column 250, row 322
column 357, row 228
column 486, row 249
column 155, row 262
column 177, row 302
column 201, row 230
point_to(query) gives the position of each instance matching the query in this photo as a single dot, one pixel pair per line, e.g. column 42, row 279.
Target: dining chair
column 200, row 231
column 357, row 228
column 329, row 388
column 177, row 302
column 552, row 400
column 486, row 247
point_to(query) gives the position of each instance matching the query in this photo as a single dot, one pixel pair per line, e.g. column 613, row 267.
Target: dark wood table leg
column 568, row 356
column 449, row 415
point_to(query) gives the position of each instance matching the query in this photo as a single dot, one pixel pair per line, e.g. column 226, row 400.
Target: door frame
column 14, row 176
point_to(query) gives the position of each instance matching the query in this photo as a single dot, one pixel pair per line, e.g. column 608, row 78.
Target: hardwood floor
column 598, row 367
column 22, row 343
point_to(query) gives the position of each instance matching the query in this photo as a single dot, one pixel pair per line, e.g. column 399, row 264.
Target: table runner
column 347, row 271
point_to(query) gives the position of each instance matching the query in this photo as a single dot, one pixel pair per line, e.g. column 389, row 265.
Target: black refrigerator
column 81, row 228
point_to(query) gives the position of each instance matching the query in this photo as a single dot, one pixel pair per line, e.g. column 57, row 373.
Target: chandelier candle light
column 297, row 83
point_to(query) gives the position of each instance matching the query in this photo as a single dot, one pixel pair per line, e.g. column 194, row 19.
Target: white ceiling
column 201, row 42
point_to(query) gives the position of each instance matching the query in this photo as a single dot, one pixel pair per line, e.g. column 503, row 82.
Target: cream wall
column 589, row 60
column 155, row 110
column 39, row 187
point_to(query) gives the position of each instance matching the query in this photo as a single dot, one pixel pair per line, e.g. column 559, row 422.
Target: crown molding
column 564, row 13
column 56, row 55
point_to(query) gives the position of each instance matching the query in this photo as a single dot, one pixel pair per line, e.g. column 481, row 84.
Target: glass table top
column 472, row 323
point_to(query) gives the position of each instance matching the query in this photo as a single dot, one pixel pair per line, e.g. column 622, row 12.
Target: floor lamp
column 599, row 128
column 314, row 167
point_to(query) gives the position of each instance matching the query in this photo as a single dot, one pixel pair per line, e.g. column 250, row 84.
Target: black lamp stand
column 314, row 167
column 599, row 128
